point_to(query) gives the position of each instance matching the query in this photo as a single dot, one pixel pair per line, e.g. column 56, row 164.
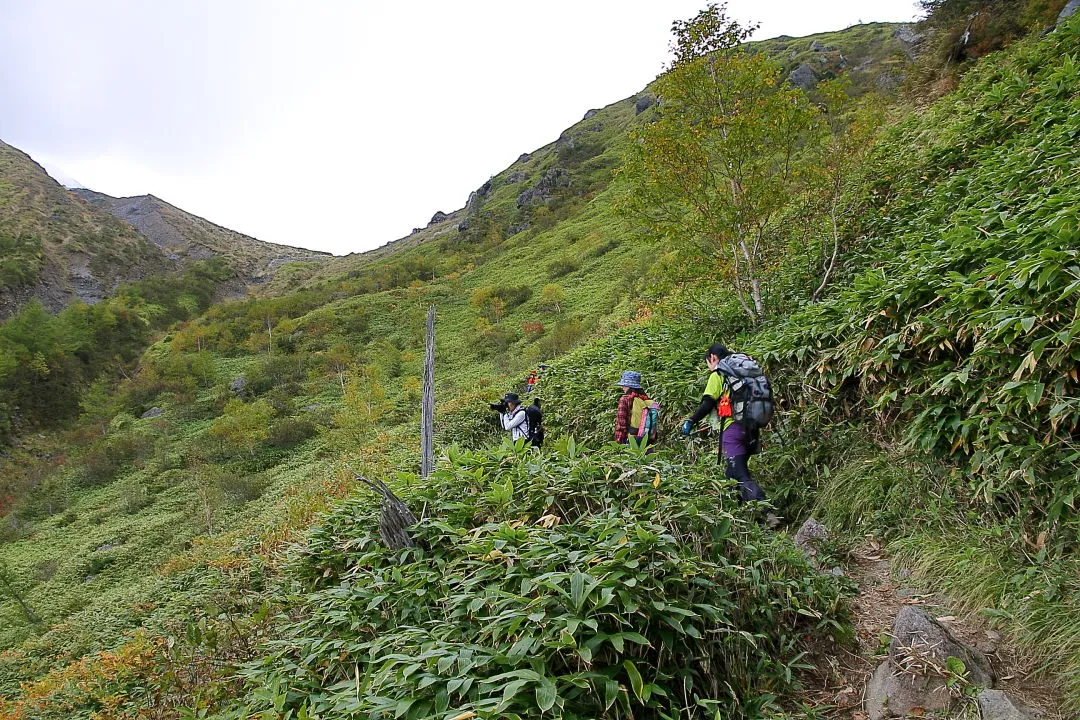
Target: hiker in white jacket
column 512, row 416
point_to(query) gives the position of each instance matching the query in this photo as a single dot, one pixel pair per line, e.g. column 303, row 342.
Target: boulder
column 239, row 384
column 643, row 103
column 914, row 676
column 817, row 46
column 153, row 412
column 916, row 635
column 463, row 225
column 513, row 178
column 803, row 77
column 524, row 157
column 997, row 705
column 810, row 536
column 515, row 229
column 438, row 217
column 1068, row 11
column 589, row 114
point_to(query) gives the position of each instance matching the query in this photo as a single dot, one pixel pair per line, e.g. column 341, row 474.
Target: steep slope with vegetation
column 56, row 248
column 913, row 295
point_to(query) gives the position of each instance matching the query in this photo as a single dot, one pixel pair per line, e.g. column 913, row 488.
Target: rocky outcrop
column 909, row 40
column 524, row 157
column 477, row 196
column 643, row 103
column 553, row 179
column 438, row 217
column 926, row 668
column 513, row 178
column 154, row 412
column 239, row 385
column 589, row 114
column 818, row 46
column 803, row 77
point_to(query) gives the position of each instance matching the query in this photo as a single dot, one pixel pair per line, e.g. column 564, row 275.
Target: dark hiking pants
column 737, row 470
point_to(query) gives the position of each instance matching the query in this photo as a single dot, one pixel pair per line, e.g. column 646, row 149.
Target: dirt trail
column 836, row 685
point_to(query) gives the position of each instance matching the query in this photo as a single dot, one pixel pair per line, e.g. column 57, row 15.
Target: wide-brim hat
column 631, row 379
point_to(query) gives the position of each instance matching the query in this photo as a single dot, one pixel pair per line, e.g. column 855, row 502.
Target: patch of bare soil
column 835, row 685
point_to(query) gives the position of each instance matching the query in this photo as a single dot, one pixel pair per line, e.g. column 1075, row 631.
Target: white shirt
column 516, row 422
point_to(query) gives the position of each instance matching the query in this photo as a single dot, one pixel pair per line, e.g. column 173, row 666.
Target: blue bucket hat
column 631, row 379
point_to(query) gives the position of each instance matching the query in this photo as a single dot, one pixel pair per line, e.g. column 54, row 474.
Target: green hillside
column 197, row 543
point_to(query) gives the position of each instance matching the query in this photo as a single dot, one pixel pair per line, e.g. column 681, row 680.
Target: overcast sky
column 333, row 125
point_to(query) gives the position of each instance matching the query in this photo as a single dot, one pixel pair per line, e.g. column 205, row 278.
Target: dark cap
column 512, row 398
column 718, row 350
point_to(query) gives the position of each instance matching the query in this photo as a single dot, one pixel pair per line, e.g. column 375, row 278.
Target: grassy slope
column 298, row 486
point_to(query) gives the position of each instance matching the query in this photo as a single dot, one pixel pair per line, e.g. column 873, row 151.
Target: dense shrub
column 290, row 431
column 576, row 586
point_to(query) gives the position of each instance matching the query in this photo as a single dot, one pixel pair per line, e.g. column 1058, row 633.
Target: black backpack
column 749, row 391
column 534, row 417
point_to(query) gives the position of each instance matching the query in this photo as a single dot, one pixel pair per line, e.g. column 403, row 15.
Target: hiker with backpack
column 636, row 415
column 739, row 403
column 521, row 422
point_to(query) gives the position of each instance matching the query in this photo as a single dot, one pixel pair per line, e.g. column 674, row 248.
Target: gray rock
column 153, row 412
column 515, row 178
column 913, row 676
column 476, row 196
column 438, row 217
column 524, row 157
column 893, row 693
column 106, row 546
column 1068, row 11
column 817, row 46
column 554, row 178
column 463, row 225
column 810, row 536
column 643, row 103
column 917, row 634
column 909, row 40
column 836, row 571
column 515, row 229
column 239, row 384
column 997, row 705
column 803, row 77
column 589, row 114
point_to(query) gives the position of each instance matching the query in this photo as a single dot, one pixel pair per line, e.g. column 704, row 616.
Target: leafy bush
column 576, row 585
column 562, row 266
column 291, row 431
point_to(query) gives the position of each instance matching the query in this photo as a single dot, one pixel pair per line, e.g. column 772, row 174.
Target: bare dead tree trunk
column 395, row 518
column 427, row 421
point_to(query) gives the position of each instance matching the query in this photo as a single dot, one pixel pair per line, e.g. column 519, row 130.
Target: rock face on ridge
column 55, row 247
column 188, row 238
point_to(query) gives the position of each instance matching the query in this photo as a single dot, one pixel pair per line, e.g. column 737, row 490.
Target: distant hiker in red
column 531, row 382
column 631, row 404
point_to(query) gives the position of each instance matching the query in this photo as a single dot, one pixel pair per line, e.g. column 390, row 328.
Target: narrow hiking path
column 837, row 683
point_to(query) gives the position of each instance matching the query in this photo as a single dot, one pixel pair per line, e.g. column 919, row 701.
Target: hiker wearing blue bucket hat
column 636, row 414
